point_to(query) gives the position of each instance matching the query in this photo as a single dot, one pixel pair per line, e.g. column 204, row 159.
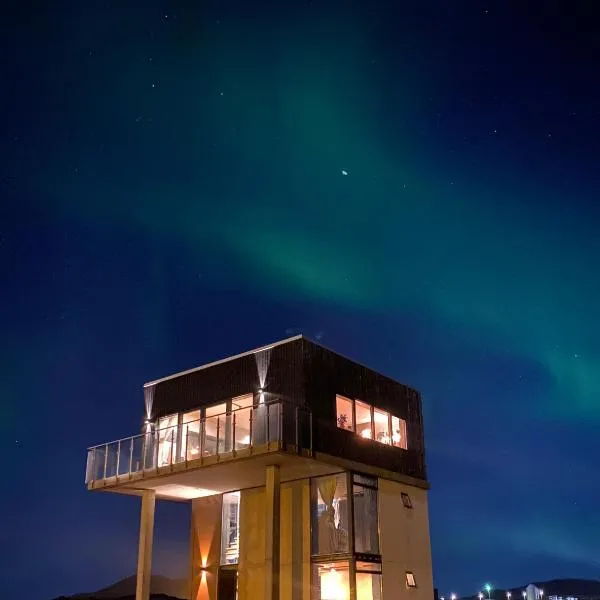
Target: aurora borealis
column 417, row 186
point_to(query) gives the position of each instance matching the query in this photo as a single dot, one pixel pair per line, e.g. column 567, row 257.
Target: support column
column 144, row 568
column 273, row 509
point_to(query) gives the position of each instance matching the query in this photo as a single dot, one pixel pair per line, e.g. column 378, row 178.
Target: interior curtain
column 327, row 487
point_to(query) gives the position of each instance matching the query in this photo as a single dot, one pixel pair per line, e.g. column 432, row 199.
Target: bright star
column 344, row 172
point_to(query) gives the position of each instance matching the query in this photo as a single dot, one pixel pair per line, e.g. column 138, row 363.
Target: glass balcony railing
column 222, row 435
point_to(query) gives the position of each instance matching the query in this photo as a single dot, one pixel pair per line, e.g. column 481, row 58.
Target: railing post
column 310, row 422
column 233, row 431
column 105, row 460
column 144, row 452
column 281, row 440
column 130, row 454
column 268, row 418
column 171, row 454
column 187, row 437
column 217, row 448
column 156, row 444
column 93, row 467
column 251, row 421
column 202, row 436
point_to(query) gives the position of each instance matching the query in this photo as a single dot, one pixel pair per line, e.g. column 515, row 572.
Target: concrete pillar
column 144, row 568
column 273, row 509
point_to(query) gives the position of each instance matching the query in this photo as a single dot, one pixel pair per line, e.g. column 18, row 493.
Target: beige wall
column 295, row 541
column 252, row 568
column 404, row 539
column 205, row 552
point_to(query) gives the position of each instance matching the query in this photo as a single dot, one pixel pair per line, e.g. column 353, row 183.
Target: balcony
column 277, row 426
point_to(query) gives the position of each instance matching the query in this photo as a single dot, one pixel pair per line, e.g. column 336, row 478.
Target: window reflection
column 381, row 420
column 330, row 515
column 344, row 413
column 167, row 439
column 363, row 420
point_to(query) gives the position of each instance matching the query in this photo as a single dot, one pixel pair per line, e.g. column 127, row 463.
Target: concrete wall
column 295, row 541
column 404, row 540
column 205, row 551
column 252, row 567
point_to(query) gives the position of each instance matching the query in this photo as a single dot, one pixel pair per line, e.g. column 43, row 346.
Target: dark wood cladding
column 308, row 375
column 327, row 374
column 232, row 378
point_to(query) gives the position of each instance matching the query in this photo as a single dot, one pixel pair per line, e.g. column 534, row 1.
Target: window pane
column 399, row 433
column 363, row 420
column 329, row 515
column 230, row 529
column 216, row 429
column 190, row 435
column 331, row 581
column 344, row 413
column 368, row 586
column 167, row 440
column 382, row 426
column 372, row 567
column 242, row 413
column 364, row 480
column 366, row 534
column 410, row 579
column 244, row 401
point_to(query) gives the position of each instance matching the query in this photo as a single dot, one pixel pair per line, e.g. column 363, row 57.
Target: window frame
column 406, row 500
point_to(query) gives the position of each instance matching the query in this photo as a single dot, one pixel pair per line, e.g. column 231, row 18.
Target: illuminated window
column 215, row 429
column 344, row 413
column 329, row 515
column 364, row 425
column 406, row 500
column 366, row 529
column 242, row 413
column 399, row 433
column 381, row 421
column 368, row 581
column 230, row 529
column 167, row 440
column 410, row 579
column 190, row 431
column 331, row 581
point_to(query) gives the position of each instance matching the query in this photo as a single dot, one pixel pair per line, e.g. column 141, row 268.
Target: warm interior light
column 183, row 491
column 366, row 433
column 245, row 440
column 332, row 587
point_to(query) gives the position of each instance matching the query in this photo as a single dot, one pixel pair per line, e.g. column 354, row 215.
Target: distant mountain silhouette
column 161, row 588
column 579, row 588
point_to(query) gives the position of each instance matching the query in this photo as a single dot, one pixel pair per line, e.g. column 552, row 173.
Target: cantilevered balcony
column 276, row 426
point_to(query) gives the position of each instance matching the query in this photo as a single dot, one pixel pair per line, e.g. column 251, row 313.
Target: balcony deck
column 209, row 455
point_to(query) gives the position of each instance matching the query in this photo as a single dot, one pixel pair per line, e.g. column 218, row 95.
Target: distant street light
column 453, row 597
column 508, row 595
column 480, row 595
column 524, row 594
column 541, row 594
column 488, row 589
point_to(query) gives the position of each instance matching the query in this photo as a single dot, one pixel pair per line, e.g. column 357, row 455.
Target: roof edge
column 224, row 360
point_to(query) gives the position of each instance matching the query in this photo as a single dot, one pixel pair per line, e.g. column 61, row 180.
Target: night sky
column 413, row 183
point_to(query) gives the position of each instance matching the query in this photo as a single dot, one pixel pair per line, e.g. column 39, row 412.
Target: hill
column 162, row 588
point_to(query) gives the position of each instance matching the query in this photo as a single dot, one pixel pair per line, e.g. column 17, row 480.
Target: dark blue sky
column 417, row 185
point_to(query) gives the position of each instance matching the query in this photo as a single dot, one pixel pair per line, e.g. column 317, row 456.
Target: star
column 344, row 172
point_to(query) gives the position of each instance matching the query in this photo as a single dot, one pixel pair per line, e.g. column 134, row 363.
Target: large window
column 190, row 441
column 399, row 433
column 215, row 429
column 331, row 581
column 370, row 423
column 364, row 425
column 366, row 526
column 167, row 440
column 242, row 413
column 230, row 529
column 330, row 515
column 368, row 581
column 344, row 409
